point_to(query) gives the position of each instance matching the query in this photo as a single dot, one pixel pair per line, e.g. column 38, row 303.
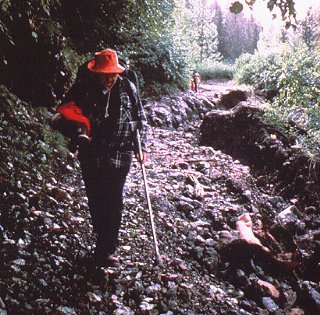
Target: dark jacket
column 113, row 138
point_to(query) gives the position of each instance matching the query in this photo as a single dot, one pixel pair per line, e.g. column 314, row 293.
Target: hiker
column 104, row 107
column 196, row 80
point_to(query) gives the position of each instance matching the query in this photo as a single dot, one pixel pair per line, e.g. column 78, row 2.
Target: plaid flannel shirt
column 117, row 151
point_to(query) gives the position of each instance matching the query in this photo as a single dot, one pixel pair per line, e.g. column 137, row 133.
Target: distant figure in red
column 196, row 80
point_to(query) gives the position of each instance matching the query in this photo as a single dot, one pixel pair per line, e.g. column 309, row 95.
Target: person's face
column 107, row 80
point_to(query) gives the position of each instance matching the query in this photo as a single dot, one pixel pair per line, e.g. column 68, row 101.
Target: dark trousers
column 104, row 186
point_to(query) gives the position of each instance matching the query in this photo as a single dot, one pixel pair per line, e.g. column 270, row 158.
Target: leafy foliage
column 196, row 30
column 292, row 72
column 45, row 40
column 309, row 28
column 260, row 70
column 286, row 8
column 31, row 62
column 38, row 146
column 236, row 7
column 216, row 71
column 156, row 56
column 29, row 149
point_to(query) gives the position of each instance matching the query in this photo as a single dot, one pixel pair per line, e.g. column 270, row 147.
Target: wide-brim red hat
column 106, row 61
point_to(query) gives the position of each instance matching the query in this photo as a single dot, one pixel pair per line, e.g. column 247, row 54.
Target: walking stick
column 146, row 188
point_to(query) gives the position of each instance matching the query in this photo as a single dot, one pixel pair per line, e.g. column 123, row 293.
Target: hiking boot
column 107, row 261
column 112, row 261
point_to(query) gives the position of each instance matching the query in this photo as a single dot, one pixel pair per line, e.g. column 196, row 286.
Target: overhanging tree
column 286, row 7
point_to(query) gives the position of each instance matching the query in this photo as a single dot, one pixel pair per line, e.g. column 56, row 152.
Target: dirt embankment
column 236, row 127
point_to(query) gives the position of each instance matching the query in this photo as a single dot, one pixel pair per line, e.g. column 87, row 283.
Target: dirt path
column 217, row 87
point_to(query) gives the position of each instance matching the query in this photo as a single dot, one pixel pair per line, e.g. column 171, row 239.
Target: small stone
column 311, row 295
column 183, row 266
column 66, row 310
column 153, row 288
column 94, row 297
column 56, row 227
column 43, row 282
column 47, row 222
column 271, row 288
column 21, row 242
column 296, row 311
column 184, row 207
column 19, row 262
column 183, row 165
column 209, row 242
column 269, row 304
column 123, row 310
column 145, row 306
column 2, row 305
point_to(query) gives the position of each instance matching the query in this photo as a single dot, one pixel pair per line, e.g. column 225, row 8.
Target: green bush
column 26, row 139
column 216, row 71
column 299, row 95
column 262, row 69
column 245, row 69
column 293, row 71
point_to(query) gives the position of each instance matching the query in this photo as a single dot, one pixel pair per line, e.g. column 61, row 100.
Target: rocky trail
column 236, row 232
